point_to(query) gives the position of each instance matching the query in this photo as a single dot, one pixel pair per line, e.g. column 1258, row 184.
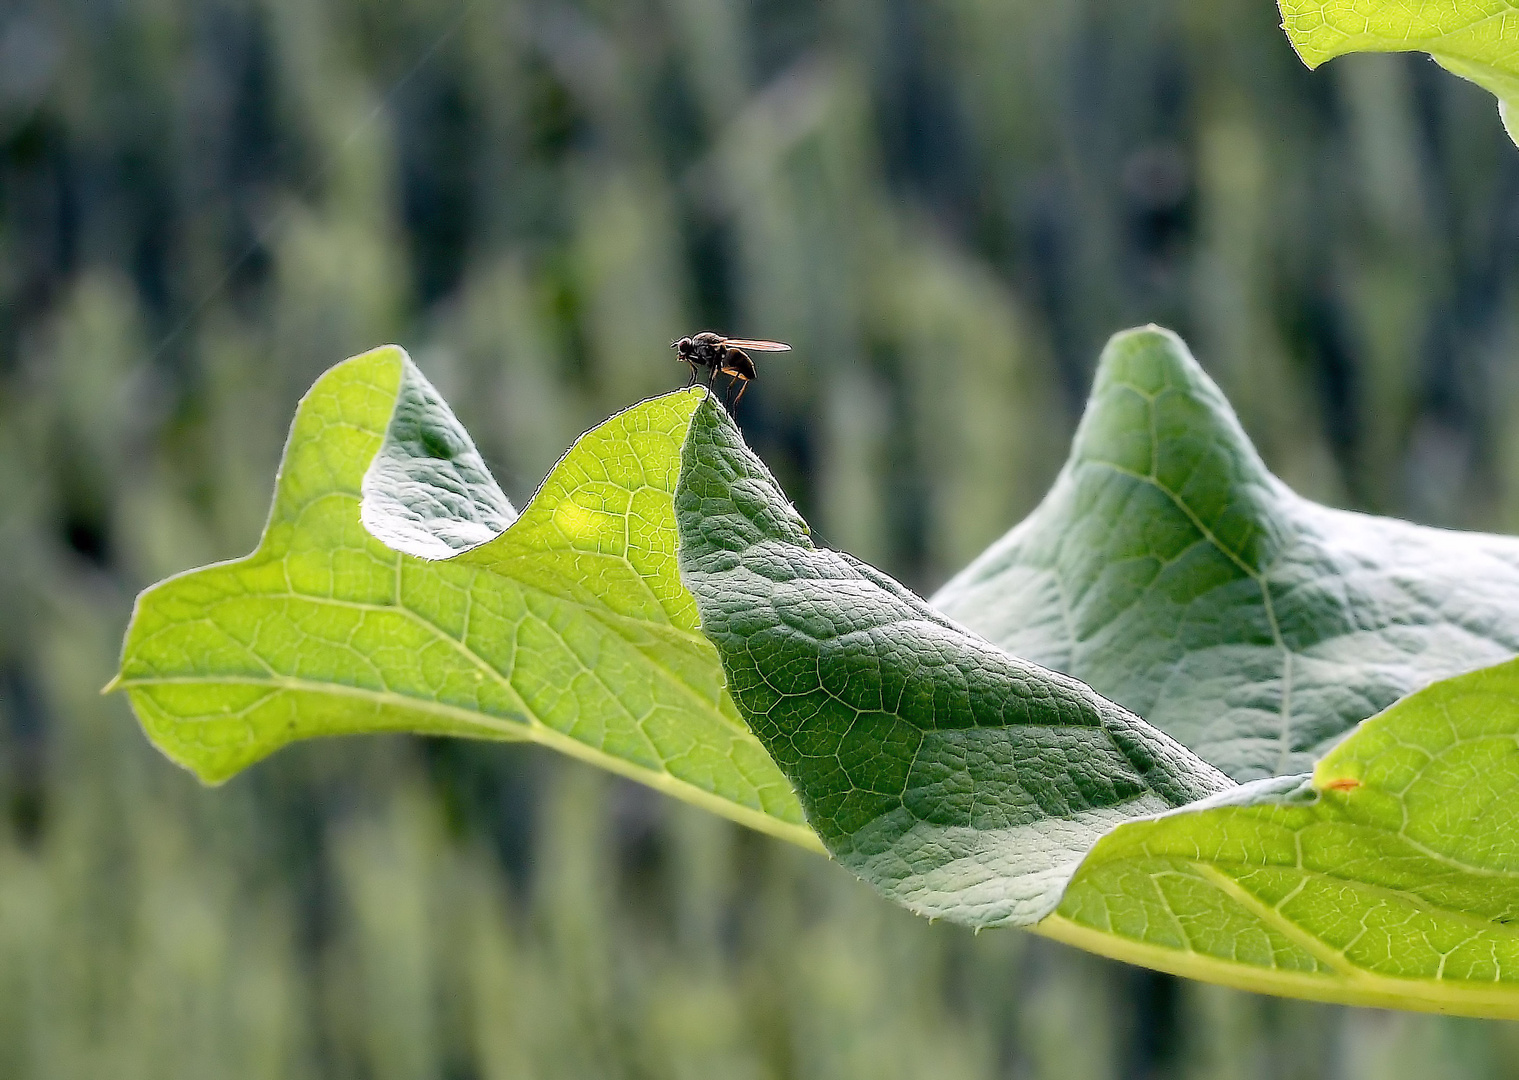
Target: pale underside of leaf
column 428, row 492
column 569, row 628
column 1169, row 570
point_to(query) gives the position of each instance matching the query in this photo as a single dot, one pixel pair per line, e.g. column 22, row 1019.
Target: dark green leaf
column 961, row 781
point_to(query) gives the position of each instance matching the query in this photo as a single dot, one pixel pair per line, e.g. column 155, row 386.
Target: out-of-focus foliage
column 204, row 204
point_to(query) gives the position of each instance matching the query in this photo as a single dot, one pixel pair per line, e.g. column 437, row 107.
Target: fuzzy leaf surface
column 961, row 781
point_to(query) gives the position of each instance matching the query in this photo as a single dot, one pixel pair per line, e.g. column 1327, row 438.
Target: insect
column 714, row 353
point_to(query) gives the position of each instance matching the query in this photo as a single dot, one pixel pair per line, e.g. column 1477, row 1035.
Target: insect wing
column 754, row 345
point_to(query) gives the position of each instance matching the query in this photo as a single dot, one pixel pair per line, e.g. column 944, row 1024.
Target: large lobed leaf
column 570, row 628
column 1251, row 628
column 1476, row 39
column 967, row 783
column 960, row 780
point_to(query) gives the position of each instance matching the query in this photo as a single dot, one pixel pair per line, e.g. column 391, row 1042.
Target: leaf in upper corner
column 569, row 628
column 959, row 780
column 1476, row 39
column 1172, row 572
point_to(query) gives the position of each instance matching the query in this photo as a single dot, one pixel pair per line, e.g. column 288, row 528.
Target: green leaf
column 1475, row 39
column 1391, row 880
column 427, row 492
column 570, row 628
column 965, row 783
column 959, row 780
column 1166, row 565
column 1169, row 570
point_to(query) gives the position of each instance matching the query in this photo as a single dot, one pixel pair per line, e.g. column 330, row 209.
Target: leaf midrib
column 1218, row 868
column 610, row 621
column 534, row 730
column 1496, row 1000
column 277, row 683
column 1260, row 577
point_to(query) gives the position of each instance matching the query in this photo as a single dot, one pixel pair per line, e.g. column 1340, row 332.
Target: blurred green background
column 946, row 206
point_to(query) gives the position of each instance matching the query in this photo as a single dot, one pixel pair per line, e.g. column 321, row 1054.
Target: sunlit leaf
column 570, row 628
column 1476, row 39
column 1251, row 629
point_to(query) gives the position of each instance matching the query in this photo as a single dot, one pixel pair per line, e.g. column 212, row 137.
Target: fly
column 714, row 353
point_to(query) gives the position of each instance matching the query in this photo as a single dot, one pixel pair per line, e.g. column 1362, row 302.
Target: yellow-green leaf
column 1476, row 39
column 569, row 628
